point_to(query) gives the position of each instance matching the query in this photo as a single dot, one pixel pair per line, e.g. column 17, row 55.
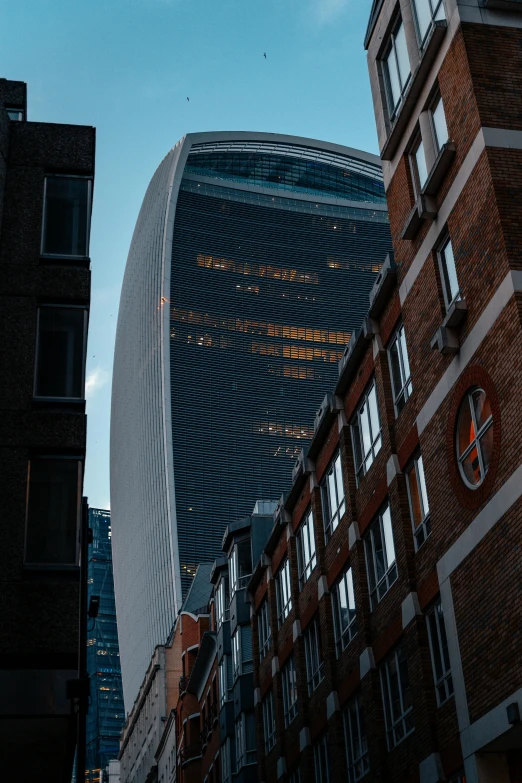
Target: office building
column 250, row 264
column 46, row 181
column 106, row 714
column 387, row 612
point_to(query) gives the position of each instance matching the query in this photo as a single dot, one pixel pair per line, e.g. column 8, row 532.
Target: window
column 474, row 437
column 226, row 680
column 458, row 778
column 356, row 742
column 450, row 284
column 343, row 598
column 289, row 679
column 380, row 557
column 418, row 165
column 427, row 12
column 295, row 776
column 313, row 655
column 269, row 726
column 366, row 433
column 283, row 594
column 53, row 511
column 226, row 766
column 322, row 761
column 400, row 370
column 440, row 654
column 396, row 68
column 60, row 352
column 245, row 740
column 15, row 114
column 418, row 497
column 263, row 629
column 332, row 494
column 438, row 124
column 306, row 556
column 240, row 566
column 397, row 698
column 221, row 603
column 241, row 651
column 67, row 211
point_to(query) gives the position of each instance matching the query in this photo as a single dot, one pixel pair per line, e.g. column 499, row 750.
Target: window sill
column 424, row 209
column 417, row 82
column 33, row 572
column 439, row 169
column 59, row 403
column 53, row 260
column 446, row 338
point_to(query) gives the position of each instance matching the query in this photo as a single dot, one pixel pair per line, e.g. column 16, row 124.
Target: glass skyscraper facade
column 250, row 265
column 106, row 714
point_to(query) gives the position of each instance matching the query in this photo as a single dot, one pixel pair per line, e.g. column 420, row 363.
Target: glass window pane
column 486, row 447
column 422, row 481
column 365, row 429
column 339, row 479
column 420, row 160
column 482, row 407
column 52, row 513
column 396, row 370
column 351, row 594
column 402, row 56
column 388, row 537
column 66, row 216
column 374, row 412
column 439, row 124
column 423, row 12
column 393, row 78
column 450, row 273
column 60, row 359
column 466, row 429
column 415, row 500
column 471, row 467
column 378, row 547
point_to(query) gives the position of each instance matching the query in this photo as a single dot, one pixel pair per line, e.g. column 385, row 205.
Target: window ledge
column 439, row 169
column 446, row 339
column 383, row 287
column 417, row 82
column 424, row 209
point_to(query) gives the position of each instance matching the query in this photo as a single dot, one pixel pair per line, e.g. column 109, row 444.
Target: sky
column 128, row 66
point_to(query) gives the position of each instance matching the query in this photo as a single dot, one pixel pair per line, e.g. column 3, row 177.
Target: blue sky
column 127, row 67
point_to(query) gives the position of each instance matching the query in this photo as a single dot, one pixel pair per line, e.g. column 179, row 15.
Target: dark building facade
column 249, row 267
column 106, row 715
column 46, row 180
column 387, row 608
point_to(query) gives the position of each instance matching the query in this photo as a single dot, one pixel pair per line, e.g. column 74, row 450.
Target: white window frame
column 222, row 611
column 289, row 683
column 332, row 496
column 269, row 724
column 365, row 414
column 344, row 632
column 236, row 653
column 394, row 108
column 313, row 655
column 264, row 629
column 237, row 582
column 403, row 389
column 88, row 216
column 439, row 647
column 224, row 675
column 449, row 296
column 283, row 592
column 434, row 7
column 423, row 529
column 399, row 727
column 382, row 523
column 306, row 553
column 322, row 760
column 356, row 741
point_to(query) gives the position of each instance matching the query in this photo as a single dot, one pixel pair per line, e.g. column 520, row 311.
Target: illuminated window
column 474, row 437
column 418, row 497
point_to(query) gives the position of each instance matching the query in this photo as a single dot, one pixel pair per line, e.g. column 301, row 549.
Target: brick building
column 386, row 607
column 46, row 181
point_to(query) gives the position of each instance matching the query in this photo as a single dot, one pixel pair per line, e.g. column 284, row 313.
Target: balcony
column 183, row 683
column 189, row 753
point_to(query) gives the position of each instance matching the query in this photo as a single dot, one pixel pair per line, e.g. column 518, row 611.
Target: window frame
column 283, row 609
column 222, row 611
column 444, row 277
column 264, row 630
column 476, row 443
column 444, row 682
column 343, row 636
column 401, row 723
column 306, row 540
column 72, row 256
column 423, row 529
column 417, row 143
column 353, row 760
column 422, row 40
column 313, row 650
column 390, row 574
column 269, row 723
column 322, row 760
column 288, row 687
column 225, row 674
column 51, row 306
column 401, row 397
column 394, row 108
column 332, row 517
column 362, row 466
column 237, row 582
column 244, row 665
column 435, row 102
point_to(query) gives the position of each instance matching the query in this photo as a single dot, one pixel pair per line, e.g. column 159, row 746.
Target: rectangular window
column 438, row 124
column 418, row 165
column 397, row 697
column 306, row 556
column 397, row 72
column 380, row 557
column 439, row 654
column 343, row 599
column 221, row 602
column 226, row 680
column 313, row 655
column 400, row 370
column 242, row 651
column 66, row 217
column 295, row 776
column 61, row 338
column 53, row 511
column 240, row 742
column 450, row 283
column 322, row 761
column 332, row 494
column 283, row 593
column 226, row 767
column 356, row 742
column 15, row 114
column 269, row 726
column 263, row 629
column 245, row 740
column 366, row 432
column 289, row 679
column 418, row 497
column 426, row 13
column 240, row 566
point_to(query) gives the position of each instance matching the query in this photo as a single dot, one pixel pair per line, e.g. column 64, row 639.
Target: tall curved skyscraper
column 250, row 264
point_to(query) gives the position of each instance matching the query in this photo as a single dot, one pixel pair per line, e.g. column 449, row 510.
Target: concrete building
column 249, row 267
column 46, row 181
column 387, row 603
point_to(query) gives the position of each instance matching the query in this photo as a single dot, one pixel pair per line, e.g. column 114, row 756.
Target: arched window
column 474, row 437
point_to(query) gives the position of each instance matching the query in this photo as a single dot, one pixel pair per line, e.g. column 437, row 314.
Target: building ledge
column 417, row 82
column 324, row 418
column 353, row 354
column 446, row 339
column 439, row 169
column 383, row 287
column 503, row 5
column 424, row 209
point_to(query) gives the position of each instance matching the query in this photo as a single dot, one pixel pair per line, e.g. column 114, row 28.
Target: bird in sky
column 264, row 55
column 188, row 99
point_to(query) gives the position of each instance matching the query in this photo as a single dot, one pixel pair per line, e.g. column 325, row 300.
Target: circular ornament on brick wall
column 473, row 437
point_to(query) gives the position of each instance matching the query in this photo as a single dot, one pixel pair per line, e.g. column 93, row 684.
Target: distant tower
column 106, row 714
column 250, row 264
